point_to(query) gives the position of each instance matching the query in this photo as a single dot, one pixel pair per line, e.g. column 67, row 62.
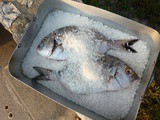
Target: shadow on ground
column 5, row 36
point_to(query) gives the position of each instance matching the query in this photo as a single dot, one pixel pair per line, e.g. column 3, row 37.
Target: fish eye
column 128, row 71
column 44, row 39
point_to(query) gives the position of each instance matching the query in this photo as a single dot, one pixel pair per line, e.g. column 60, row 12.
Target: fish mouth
column 56, row 43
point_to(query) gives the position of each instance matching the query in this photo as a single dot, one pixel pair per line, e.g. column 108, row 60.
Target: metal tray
column 110, row 19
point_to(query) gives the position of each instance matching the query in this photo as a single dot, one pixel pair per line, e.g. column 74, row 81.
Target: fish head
column 46, row 45
column 118, row 74
column 125, row 75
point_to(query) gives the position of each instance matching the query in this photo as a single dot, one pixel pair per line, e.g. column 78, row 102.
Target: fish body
column 116, row 74
column 51, row 46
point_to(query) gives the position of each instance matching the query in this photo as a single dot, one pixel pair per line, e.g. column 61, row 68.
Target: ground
column 146, row 12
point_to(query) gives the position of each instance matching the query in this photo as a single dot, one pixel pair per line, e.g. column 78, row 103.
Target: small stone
column 8, row 13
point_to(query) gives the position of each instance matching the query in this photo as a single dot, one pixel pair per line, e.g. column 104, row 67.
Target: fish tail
column 44, row 74
column 127, row 44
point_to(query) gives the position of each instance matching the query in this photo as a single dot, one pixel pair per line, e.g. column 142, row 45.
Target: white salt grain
column 112, row 105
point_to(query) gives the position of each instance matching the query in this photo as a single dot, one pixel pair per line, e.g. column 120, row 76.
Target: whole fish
column 51, row 46
column 116, row 75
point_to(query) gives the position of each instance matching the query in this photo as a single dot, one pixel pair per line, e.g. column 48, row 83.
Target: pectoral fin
column 44, row 73
column 42, row 77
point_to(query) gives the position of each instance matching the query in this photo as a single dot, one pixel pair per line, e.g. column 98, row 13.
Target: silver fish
column 51, row 46
column 117, row 75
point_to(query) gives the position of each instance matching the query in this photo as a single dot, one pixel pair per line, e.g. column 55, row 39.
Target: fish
column 51, row 46
column 117, row 75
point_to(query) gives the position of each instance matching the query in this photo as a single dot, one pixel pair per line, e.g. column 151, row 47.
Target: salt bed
column 112, row 105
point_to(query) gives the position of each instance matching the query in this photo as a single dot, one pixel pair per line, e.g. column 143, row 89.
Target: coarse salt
column 112, row 105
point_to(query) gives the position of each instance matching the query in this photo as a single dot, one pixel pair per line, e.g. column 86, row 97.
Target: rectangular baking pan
column 110, row 19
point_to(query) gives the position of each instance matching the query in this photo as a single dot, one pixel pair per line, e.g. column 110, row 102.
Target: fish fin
column 42, row 71
column 128, row 43
column 133, row 41
column 128, row 48
column 42, row 77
